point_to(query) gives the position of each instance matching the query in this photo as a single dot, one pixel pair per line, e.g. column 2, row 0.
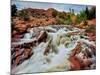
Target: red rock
column 17, row 36
column 27, row 53
column 75, row 64
column 17, row 60
column 77, row 49
column 86, row 62
column 42, row 36
column 21, row 27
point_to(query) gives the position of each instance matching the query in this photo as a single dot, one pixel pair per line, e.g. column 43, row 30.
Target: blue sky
column 42, row 5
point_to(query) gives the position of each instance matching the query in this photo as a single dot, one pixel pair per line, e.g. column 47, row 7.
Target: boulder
column 42, row 37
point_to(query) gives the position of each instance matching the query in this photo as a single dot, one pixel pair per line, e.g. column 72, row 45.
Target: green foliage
column 71, row 11
column 92, row 13
column 68, row 20
column 63, row 18
column 62, row 15
column 13, row 10
column 23, row 14
column 55, row 13
column 82, row 16
column 60, row 20
column 87, row 14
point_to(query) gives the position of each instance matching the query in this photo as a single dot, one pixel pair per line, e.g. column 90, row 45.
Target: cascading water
column 61, row 41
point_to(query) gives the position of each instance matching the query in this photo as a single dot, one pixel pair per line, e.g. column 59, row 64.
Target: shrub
column 24, row 15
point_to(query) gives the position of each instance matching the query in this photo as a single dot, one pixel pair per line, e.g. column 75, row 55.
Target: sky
column 44, row 5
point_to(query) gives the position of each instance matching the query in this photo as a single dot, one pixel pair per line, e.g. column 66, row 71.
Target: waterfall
column 61, row 45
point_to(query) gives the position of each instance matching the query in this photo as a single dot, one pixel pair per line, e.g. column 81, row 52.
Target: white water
column 56, row 60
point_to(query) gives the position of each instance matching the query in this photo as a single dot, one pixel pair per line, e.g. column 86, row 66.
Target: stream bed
column 49, row 49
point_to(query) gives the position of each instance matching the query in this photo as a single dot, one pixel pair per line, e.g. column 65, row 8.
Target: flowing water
column 60, row 43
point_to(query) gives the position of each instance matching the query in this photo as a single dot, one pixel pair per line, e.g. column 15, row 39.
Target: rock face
column 39, row 12
column 20, row 53
column 82, row 59
column 36, row 18
column 42, row 37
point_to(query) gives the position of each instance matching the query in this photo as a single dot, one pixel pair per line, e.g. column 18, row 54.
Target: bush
column 82, row 16
column 86, row 14
column 24, row 15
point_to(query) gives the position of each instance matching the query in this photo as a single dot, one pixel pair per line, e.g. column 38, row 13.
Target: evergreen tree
column 13, row 10
column 87, row 12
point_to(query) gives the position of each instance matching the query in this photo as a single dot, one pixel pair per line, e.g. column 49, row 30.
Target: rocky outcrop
column 42, row 37
column 20, row 53
column 82, row 59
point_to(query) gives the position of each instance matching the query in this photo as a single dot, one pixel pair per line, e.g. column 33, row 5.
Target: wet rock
column 18, row 36
column 14, row 32
column 17, row 60
column 93, row 66
column 77, row 49
column 42, row 37
column 93, row 49
column 82, row 57
column 27, row 53
column 86, row 62
column 62, row 40
column 75, row 63
column 21, row 53
column 47, row 51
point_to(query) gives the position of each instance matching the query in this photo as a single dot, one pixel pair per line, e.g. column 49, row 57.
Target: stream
column 60, row 41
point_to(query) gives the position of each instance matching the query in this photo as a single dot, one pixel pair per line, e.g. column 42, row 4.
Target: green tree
column 82, row 16
column 13, row 10
column 92, row 13
column 87, row 12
